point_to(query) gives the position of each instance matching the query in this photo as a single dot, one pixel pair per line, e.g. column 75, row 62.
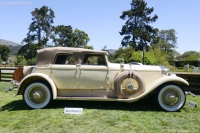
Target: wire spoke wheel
column 37, row 95
column 171, row 98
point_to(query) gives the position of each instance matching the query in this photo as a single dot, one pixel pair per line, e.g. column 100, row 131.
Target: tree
column 190, row 56
column 167, row 39
column 82, row 38
column 4, row 52
column 137, row 30
column 28, row 51
column 64, row 36
column 123, row 55
column 20, row 61
column 157, row 56
column 31, row 61
column 39, row 32
column 136, row 56
column 40, row 28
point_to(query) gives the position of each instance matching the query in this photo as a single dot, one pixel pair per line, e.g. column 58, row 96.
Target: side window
column 65, row 59
column 94, row 60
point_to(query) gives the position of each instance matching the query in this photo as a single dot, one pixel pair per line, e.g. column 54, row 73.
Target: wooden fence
column 6, row 73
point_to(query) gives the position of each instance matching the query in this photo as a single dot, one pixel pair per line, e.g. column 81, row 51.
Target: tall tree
column 167, row 39
column 40, row 28
column 82, row 38
column 64, row 36
column 137, row 30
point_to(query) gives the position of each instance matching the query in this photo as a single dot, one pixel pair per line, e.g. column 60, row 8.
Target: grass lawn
column 141, row 116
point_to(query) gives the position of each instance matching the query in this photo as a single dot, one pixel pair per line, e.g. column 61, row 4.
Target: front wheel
column 171, row 98
column 37, row 95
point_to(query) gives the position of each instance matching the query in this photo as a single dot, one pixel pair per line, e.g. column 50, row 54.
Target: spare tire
column 128, row 85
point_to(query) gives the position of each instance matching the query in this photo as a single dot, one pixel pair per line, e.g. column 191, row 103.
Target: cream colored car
column 82, row 74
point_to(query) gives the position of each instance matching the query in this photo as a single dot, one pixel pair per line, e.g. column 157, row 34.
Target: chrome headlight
column 164, row 70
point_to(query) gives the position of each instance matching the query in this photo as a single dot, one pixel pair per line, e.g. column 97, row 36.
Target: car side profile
column 63, row 73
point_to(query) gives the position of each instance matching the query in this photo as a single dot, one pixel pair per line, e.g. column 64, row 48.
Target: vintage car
column 63, row 73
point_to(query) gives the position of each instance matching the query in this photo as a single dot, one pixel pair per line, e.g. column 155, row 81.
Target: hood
column 135, row 67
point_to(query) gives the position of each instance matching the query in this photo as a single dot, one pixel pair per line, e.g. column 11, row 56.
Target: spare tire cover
column 129, row 85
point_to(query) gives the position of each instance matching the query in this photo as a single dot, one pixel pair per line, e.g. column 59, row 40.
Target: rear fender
column 35, row 77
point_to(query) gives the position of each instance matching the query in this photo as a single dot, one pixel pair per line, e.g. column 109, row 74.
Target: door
column 64, row 72
column 93, row 72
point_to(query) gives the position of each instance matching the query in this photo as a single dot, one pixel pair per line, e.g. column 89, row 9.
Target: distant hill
column 14, row 47
column 8, row 43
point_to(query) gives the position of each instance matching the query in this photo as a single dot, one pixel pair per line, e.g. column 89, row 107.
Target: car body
column 63, row 73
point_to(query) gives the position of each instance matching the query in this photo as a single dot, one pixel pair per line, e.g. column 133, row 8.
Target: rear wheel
column 37, row 95
column 171, row 98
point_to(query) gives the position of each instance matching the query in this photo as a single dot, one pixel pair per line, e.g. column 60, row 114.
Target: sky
column 100, row 19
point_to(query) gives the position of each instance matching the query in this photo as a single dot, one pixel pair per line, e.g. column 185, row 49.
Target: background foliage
column 4, row 52
column 141, row 41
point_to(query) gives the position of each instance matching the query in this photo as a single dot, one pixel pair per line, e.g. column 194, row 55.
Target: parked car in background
column 81, row 74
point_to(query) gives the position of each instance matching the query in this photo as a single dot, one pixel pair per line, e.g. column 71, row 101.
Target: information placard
column 73, row 110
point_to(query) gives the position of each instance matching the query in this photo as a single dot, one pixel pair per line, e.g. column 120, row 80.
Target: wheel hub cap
column 130, row 87
column 37, row 95
column 170, row 98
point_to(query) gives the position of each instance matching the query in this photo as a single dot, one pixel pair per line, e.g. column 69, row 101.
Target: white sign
column 196, row 69
column 73, row 110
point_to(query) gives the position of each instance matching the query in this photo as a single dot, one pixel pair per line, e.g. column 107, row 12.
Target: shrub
column 31, row 61
column 20, row 61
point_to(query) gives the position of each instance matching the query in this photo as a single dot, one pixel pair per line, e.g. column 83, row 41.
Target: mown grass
column 141, row 116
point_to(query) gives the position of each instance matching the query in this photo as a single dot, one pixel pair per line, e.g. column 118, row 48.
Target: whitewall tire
column 171, row 98
column 37, row 95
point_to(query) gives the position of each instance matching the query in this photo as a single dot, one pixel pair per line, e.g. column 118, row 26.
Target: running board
column 96, row 99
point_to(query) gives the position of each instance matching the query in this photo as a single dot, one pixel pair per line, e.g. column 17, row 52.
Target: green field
column 141, row 116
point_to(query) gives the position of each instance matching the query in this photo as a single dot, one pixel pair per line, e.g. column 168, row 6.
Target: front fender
column 154, row 85
column 166, row 79
column 34, row 77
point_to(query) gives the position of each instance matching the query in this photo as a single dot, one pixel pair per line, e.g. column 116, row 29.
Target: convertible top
column 46, row 56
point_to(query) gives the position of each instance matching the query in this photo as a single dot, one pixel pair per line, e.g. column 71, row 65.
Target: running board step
column 95, row 99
